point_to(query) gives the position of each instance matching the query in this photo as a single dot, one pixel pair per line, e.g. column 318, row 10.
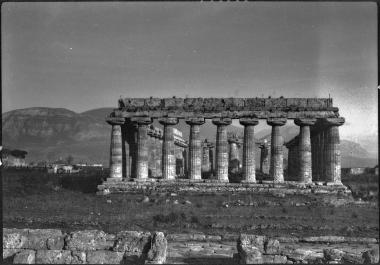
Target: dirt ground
column 35, row 199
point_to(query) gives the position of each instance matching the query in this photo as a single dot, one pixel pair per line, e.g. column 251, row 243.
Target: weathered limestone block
column 252, row 240
column 53, row 256
column 87, row 240
column 25, row 257
column 9, row 252
column 14, row 238
column 45, row 239
column 132, row 241
column 304, row 255
column 277, row 259
column 158, row 250
column 104, row 257
column 352, row 258
column 323, row 239
column 78, row 257
column 332, row 254
column 371, row 256
column 272, row 246
column 250, row 255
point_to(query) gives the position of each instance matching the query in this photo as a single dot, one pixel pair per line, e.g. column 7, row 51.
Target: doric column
column 116, row 152
column 276, row 165
column 168, row 152
column 304, row 150
column 159, row 143
column 234, row 162
column 332, row 150
column 195, row 148
column 206, row 167
column 290, row 171
column 264, row 158
column 249, row 173
column 221, row 156
column 185, row 161
column 142, row 147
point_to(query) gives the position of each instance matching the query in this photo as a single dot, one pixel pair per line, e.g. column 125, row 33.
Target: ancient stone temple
column 313, row 156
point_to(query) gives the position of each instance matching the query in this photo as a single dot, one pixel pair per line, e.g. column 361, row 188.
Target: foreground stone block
column 132, row 241
column 78, row 257
column 250, row 255
column 278, row 259
column 352, row 258
column 332, row 254
column 87, row 240
column 104, row 257
column 304, row 255
column 9, row 252
column 158, row 250
column 272, row 246
column 371, row 256
column 25, row 257
column 14, row 238
column 251, row 240
column 53, row 257
column 45, row 239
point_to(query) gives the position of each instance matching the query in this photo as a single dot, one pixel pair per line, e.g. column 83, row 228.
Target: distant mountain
column 53, row 133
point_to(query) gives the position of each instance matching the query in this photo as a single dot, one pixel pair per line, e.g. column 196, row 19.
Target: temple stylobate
column 313, row 155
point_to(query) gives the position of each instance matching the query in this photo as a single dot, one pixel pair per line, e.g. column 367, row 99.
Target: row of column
column 303, row 169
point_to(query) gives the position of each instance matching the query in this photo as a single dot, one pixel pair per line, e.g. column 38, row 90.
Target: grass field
column 35, row 199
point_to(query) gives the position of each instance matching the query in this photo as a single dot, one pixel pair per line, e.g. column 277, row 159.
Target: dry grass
column 40, row 200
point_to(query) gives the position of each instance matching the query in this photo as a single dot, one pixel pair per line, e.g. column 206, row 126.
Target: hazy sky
column 83, row 56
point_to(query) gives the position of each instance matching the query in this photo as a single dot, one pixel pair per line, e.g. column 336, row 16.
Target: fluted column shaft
column 195, row 149
column 152, row 156
column 211, row 155
column 332, row 145
column 276, row 170
column 221, row 156
column 142, row 148
column 249, row 169
column 159, row 143
column 264, row 159
column 116, row 153
column 233, row 156
column 304, row 151
column 206, row 159
column 168, row 149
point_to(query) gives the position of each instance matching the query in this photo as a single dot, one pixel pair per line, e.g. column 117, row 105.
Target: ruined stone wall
column 42, row 246
column 257, row 249
column 52, row 246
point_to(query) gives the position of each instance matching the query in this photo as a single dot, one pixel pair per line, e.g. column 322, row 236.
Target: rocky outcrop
column 51, row 246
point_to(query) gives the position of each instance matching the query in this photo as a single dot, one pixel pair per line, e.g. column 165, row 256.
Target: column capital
column 305, row 121
column 168, row 121
column 334, row 121
column 222, row 121
column 142, row 120
column 115, row 120
column 249, row 121
column 233, row 141
column 276, row 121
column 195, row 121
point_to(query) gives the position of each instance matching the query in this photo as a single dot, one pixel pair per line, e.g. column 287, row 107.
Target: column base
column 248, row 181
column 114, row 180
column 217, row 180
column 143, row 180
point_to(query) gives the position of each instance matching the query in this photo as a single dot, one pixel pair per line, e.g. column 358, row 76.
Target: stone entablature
column 222, row 107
